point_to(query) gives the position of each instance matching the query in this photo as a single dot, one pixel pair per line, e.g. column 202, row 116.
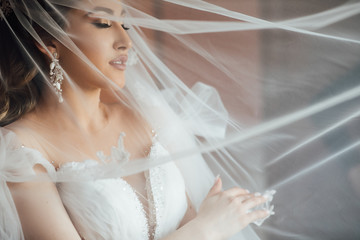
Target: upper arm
column 41, row 211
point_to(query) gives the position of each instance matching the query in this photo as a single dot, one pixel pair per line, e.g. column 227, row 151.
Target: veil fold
column 264, row 93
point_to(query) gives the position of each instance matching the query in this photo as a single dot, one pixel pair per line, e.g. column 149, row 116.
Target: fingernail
column 257, row 194
column 271, row 208
column 246, row 190
column 271, row 213
column 217, row 178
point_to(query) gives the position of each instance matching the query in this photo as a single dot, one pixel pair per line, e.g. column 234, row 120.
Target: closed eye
column 101, row 25
column 124, row 27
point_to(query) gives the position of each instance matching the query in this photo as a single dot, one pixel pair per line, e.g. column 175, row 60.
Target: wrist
column 201, row 230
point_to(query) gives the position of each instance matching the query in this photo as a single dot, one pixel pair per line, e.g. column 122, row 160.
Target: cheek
column 82, row 73
column 97, row 51
column 94, row 51
column 77, row 69
column 100, row 52
column 97, row 46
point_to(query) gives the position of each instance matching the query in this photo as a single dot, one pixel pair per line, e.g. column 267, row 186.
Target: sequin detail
column 156, row 202
column 155, row 188
column 155, row 195
column 139, row 206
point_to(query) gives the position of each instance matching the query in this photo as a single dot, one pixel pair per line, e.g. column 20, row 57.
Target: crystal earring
column 56, row 76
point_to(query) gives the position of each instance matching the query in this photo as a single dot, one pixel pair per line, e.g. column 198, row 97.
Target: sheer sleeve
column 16, row 165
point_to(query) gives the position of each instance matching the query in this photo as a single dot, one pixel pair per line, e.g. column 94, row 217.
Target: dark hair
column 21, row 83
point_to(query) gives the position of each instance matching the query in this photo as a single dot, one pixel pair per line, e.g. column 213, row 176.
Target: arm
column 221, row 215
column 41, row 211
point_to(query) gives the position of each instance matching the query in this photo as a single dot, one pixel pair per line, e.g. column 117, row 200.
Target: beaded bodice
column 111, row 209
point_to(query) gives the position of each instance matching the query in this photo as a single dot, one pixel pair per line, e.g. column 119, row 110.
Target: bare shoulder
column 39, row 199
column 25, row 134
column 20, row 128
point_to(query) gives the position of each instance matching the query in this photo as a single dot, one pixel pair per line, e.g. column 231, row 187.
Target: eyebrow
column 103, row 9
column 108, row 10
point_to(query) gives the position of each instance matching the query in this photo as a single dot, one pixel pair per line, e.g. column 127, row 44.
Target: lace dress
column 105, row 208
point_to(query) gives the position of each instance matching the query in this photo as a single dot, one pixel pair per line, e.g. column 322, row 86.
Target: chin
column 120, row 83
column 115, row 83
column 110, row 96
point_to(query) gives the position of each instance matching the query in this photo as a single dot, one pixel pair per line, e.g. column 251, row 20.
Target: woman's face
column 104, row 42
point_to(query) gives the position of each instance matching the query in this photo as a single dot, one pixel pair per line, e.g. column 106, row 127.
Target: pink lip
column 119, row 62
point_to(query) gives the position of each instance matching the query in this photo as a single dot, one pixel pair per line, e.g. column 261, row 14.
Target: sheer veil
column 264, row 93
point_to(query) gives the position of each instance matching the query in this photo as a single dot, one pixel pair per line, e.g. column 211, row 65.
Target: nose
column 122, row 39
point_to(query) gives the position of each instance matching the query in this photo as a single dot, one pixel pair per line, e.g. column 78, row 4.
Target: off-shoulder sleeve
column 16, row 165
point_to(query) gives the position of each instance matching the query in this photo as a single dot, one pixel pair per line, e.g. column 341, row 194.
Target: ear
column 51, row 46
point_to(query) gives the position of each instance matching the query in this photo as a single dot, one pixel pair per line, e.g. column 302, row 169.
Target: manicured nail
column 271, row 213
column 217, row 178
column 271, row 208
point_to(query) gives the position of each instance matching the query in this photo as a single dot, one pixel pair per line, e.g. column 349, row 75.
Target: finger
column 236, row 192
column 253, row 202
column 251, row 195
column 258, row 214
column 245, row 197
column 216, row 188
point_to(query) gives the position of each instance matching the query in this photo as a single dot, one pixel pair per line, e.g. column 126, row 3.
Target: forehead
column 112, row 7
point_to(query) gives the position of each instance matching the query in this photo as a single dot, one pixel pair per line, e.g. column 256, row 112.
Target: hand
column 224, row 213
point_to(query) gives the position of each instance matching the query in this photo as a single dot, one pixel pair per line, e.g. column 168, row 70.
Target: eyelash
column 101, row 25
column 106, row 25
column 124, row 27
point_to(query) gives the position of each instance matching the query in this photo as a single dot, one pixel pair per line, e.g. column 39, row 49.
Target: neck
column 81, row 109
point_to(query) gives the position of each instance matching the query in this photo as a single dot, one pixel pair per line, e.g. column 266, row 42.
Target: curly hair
column 21, row 83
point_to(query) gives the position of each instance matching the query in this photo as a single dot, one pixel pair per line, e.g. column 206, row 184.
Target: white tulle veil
column 264, row 93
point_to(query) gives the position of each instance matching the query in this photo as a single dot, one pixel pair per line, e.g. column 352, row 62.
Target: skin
column 222, row 214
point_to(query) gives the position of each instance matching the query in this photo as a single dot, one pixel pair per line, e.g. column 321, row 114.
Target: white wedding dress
column 99, row 209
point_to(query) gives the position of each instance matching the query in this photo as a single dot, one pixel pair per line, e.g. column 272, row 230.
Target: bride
column 65, row 117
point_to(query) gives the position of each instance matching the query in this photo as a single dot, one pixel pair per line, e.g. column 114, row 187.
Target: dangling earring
column 56, row 76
